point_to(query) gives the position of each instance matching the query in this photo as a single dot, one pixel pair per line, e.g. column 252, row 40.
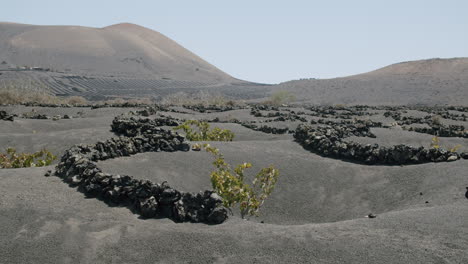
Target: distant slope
column 127, row 60
column 120, row 50
column 433, row 81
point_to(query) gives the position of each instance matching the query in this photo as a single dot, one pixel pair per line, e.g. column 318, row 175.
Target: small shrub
column 11, row 159
column 196, row 147
column 455, row 148
column 436, row 120
column 179, row 99
column 435, row 143
column 230, row 184
column 26, row 91
column 203, row 132
column 121, row 101
column 75, row 100
column 281, row 97
column 203, row 98
column 340, row 106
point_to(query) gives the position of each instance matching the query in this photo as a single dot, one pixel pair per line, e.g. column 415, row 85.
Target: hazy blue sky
column 273, row 41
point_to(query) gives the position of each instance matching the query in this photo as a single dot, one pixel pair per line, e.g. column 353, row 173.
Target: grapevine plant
column 435, row 143
column 12, row 159
column 230, row 184
column 203, row 132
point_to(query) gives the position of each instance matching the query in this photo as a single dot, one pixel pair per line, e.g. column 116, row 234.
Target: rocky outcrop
column 78, row 167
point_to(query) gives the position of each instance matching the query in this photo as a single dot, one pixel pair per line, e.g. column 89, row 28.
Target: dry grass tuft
column 27, row 91
column 200, row 98
column 133, row 101
column 280, row 98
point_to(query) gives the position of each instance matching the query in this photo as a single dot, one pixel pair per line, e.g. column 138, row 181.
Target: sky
column 271, row 41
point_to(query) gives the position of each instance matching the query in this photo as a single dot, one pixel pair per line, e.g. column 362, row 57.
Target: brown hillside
column 119, row 50
column 434, row 81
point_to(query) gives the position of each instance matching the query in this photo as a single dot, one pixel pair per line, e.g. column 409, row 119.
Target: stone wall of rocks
column 213, row 108
column 33, row 115
column 131, row 126
column 444, row 113
column 128, row 105
column 266, row 129
column 436, row 128
column 6, row 117
column 339, row 112
column 279, row 116
column 78, row 167
column 328, row 141
column 443, row 131
column 347, row 128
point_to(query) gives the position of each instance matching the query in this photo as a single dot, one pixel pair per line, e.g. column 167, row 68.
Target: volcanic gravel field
column 316, row 214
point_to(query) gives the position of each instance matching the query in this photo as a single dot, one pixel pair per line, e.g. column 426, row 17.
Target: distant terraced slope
column 123, row 60
column 433, row 81
column 105, row 87
column 118, row 50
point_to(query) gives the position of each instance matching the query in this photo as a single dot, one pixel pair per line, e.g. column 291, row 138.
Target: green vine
column 203, row 132
column 230, row 184
column 12, row 159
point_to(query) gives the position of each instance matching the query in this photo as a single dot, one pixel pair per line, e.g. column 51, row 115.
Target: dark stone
column 148, row 207
column 169, row 196
column 5, row 116
column 218, row 215
column 184, row 146
column 180, row 211
column 92, row 190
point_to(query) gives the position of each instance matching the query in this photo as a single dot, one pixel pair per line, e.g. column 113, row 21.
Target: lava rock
column 452, row 158
column 5, row 116
column 218, row 215
column 148, row 207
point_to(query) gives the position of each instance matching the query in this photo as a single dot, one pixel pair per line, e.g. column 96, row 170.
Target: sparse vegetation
column 121, row 101
column 436, row 120
column 340, row 106
column 12, row 159
column 196, row 147
column 455, row 148
column 20, row 92
column 435, row 143
column 203, row 132
column 281, row 97
column 230, row 184
column 201, row 98
column 75, row 100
